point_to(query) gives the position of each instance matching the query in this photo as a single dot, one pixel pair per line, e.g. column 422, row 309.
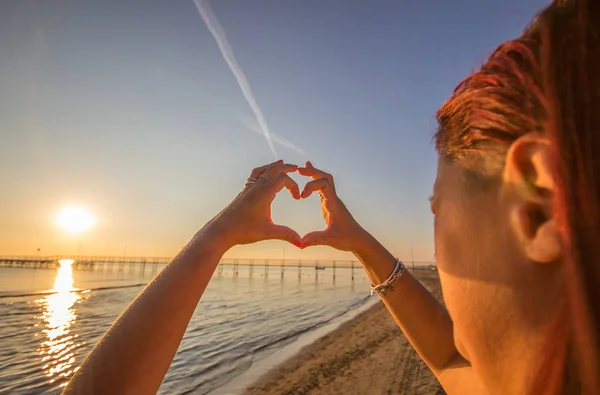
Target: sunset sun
column 74, row 219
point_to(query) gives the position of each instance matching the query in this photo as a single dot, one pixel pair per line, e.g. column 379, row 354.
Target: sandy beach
column 368, row 354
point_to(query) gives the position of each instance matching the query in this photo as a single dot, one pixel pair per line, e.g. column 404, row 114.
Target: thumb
column 280, row 232
column 321, row 237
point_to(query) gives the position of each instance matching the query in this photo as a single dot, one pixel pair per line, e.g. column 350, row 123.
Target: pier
column 141, row 264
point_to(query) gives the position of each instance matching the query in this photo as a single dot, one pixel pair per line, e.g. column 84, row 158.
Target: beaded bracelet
column 388, row 285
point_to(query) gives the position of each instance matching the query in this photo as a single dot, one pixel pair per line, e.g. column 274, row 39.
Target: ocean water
column 51, row 318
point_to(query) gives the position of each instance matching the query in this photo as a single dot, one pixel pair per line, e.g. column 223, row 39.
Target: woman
column 517, row 216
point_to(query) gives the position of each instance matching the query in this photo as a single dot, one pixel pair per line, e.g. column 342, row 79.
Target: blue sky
column 128, row 108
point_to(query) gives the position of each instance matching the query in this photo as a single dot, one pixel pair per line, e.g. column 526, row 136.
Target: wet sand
column 368, row 354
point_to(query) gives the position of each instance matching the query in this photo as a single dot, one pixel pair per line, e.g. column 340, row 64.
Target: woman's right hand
column 247, row 219
column 342, row 231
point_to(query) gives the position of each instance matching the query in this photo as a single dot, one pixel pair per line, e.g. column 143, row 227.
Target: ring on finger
column 265, row 177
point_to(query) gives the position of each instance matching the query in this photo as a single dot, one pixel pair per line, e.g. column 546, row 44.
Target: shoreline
column 264, row 366
column 365, row 352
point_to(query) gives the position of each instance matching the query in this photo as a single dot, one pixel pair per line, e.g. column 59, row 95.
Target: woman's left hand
column 247, row 219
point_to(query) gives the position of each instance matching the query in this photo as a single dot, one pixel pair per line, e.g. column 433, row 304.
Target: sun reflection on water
column 58, row 350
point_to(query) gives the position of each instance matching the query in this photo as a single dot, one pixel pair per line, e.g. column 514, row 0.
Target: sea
column 50, row 318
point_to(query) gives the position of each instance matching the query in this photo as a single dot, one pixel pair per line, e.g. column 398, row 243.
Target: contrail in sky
column 251, row 124
column 219, row 35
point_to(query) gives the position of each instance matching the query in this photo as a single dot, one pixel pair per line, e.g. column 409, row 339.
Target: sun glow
column 74, row 219
column 58, row 349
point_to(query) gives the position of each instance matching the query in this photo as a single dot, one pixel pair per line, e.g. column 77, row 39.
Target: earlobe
column 538, row 235
column 546, row 247
column 528, row 174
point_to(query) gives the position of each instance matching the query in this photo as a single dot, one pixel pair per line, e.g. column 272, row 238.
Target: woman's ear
column 529, row 176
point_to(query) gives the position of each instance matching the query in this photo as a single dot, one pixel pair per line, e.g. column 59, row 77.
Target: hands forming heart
column 247, row 219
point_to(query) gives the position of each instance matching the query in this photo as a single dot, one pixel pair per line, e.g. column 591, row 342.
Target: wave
column 297, row 333
column 226, row 364
column 292, row 335
column 75, row 290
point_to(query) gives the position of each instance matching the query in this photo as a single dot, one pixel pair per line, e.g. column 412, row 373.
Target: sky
column 128, row 109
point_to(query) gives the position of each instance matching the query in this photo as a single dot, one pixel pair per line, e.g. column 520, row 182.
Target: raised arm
column 424, row 320
column 135, row 353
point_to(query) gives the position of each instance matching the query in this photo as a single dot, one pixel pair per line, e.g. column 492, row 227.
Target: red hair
column 548, row 81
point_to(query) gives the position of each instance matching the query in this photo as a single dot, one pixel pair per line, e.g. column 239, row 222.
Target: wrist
column 375, row 258
column 203, row 248
column 214, row 237
column 363, row 243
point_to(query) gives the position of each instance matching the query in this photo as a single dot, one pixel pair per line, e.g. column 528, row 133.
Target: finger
column 260, row 170
column 322, row 185
column 282, row 180
column 320, row 237
column 311, row 171
column 280, row 232
column 274, row 170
